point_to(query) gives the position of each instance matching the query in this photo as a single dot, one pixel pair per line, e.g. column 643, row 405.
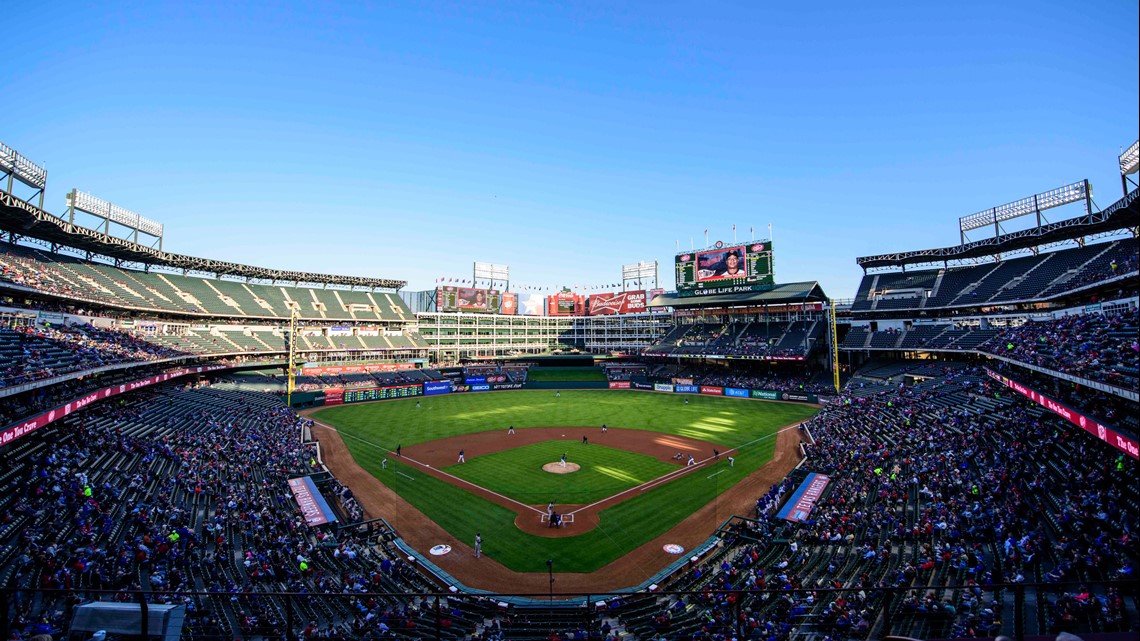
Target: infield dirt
column 484, row 573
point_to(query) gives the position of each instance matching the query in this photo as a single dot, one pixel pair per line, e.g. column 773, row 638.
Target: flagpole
column 706, row 238
column 733, row 233
column 769, row 232
column 752, row 231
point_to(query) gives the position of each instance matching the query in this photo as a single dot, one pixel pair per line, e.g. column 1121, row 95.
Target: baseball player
column 511, row 430
column 478, row 544
column 564, row 459
column 461, row 457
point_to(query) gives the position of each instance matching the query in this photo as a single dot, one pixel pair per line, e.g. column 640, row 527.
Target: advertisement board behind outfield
column 662, row 387
column 432, row 388
column 736, row 391
column 686, row 389
column 712, row 390
column 639, row 385
column 619, row 384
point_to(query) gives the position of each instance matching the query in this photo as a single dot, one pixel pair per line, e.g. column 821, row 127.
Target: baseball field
column 621, row 487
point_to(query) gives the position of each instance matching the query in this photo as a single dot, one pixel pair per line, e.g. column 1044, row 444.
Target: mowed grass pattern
column 518, row 473
column 371, row 430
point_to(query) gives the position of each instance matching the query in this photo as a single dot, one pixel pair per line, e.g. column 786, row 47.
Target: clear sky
column 565, row 140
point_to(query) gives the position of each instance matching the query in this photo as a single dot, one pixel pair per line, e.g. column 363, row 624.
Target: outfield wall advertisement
column 434, row 388
column 712, row 390
column 361, row 395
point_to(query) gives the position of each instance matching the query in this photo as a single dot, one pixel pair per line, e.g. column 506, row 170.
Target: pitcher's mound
column 558, row 468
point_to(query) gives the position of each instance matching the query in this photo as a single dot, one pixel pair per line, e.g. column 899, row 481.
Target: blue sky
column 408, row 141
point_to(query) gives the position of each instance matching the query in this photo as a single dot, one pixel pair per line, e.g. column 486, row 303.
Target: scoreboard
column 381, row 393
column 468, row 299
column 725, row 269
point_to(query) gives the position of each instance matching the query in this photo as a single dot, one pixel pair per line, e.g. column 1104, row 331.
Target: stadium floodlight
column 1075, row 192
column 1130, row 159
column 491, row 271
column 16, row 165
column 88, row 204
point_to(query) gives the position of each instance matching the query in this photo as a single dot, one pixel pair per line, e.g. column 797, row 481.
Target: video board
column 725, row 269
column 468, row 299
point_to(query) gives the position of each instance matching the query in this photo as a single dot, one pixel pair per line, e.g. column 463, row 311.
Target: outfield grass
column 370, row 430
column 565, row 374
column 517, row 473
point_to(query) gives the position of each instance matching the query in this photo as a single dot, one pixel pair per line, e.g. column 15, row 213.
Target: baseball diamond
column 630, row 489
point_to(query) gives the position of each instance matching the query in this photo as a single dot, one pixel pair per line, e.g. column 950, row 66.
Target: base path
column 422, row 533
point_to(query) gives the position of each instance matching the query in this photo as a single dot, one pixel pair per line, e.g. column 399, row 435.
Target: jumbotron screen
column 468, row 299
column 719, row 270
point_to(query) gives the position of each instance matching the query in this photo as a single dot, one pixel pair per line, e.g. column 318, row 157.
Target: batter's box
column 567, row 519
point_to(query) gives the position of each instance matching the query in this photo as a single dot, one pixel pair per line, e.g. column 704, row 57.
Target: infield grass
column 371, row 430
column 517, row 473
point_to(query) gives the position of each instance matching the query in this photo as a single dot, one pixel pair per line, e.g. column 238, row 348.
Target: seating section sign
column 799, row 507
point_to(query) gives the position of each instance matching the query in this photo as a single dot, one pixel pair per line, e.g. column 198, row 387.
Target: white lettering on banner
column 33, row 424
column 1113, row 438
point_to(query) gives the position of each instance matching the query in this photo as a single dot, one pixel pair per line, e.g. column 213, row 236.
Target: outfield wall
column 339, row 396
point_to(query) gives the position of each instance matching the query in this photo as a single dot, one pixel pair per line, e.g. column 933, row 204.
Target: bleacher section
column 167, row 293
column 1023, row 279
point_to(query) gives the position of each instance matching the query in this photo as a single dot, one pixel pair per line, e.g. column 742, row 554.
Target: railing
column 925, row 611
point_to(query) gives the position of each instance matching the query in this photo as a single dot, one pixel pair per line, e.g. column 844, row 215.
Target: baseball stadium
column 195, row 448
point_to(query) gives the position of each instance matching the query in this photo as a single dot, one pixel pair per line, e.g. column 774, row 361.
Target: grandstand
column 980, row 460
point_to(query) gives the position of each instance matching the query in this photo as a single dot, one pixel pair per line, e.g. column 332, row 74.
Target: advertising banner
column 662, row 387
column 317, row 370
column 475, row 380
column 619, row 384
column 682, row 381
column 799, row 398
column 510, row 304
column 736, row 391
column 617, row 303
column 23, row 428
column 1123, row 443
column 313, row 506
column 432, row 388
column 334, row 397
column 767, row 395
column 800, row 505
column 712, row 390
column 504, row 386
column 640, row 385
column 481, row 388
column 686, row 389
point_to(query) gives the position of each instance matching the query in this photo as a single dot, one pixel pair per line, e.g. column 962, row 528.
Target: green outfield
column 518, row 474
column 371, row 430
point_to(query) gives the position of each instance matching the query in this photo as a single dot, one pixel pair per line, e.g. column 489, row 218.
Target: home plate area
column 563, row 519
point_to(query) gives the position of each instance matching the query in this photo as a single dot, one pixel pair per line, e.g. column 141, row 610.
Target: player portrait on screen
column 721, row 265
column 471, row 298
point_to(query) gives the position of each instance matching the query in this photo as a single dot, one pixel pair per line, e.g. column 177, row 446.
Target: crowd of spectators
column 943, row 488
column 32, row 352
column 182, row 490
column 1099, row 347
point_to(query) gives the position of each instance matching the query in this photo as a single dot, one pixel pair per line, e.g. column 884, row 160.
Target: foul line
column 715, row 473
column 410, row 478
column 688, row 468
column 435, row 469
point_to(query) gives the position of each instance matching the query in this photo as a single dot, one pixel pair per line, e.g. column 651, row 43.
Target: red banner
column 1108, row 435
column 509, row 304
column 619, row 303
column 619, row 384
column 334, row 397
column 714, row 391
column 24, row 428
